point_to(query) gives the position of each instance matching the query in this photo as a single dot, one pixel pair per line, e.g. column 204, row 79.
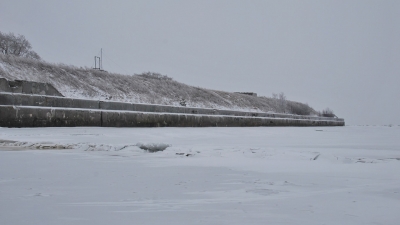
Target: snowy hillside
column 144, row 88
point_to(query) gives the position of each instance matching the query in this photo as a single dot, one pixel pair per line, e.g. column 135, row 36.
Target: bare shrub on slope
column 328, row 113
column 300, row 108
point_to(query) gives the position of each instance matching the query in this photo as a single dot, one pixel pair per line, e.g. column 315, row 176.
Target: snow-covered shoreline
column 259, row 175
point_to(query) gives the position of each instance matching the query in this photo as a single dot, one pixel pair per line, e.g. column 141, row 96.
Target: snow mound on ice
column 153, row 147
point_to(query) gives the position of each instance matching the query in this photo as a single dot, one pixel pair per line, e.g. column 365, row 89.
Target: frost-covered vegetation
column 148, row 87
column 17, row 45
column 327, row 113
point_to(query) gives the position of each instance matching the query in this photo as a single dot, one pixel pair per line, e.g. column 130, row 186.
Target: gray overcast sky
column 338, row 54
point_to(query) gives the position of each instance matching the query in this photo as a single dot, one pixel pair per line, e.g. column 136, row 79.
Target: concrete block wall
column 4, row 86
column 28, row 87
column 46, row 101
column 25, row 116
column 14, row 116
column 61, row 102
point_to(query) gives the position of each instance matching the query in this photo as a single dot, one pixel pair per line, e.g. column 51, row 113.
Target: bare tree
column 4, row 43
column 280, row 102
column 17, row 45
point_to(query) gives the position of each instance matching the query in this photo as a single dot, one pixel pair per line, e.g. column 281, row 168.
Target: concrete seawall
column 26, row 116
column 29, row 110
column 53, row 101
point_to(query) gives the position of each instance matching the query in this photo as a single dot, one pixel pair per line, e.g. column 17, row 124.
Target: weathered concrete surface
column 108, row 105
column 23, row 116
column 61, row 102
column 74, row 112
column 46, row 101
column 27, row 93
column 4, row 86
column 19, row 116
column 7, row 99
column 28, row 87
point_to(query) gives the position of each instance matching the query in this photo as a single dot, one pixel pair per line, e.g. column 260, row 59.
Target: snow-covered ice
column 259, row 175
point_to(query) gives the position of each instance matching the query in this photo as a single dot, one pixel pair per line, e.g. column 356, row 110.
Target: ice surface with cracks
column 258, row 175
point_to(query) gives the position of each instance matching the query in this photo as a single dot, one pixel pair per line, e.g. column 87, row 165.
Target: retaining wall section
column 46, row 101
column 26, row 116
column 61, row 102
column 28, row 87
column 12, row 116
column 4, row 86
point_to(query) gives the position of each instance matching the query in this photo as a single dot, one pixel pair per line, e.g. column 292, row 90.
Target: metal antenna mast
column 100, row 60
column 95, row 63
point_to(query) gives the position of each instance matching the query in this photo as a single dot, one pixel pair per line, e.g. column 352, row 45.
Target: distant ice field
column 258, row 175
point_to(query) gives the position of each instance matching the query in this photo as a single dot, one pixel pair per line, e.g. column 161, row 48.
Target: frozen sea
column 262, row 175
